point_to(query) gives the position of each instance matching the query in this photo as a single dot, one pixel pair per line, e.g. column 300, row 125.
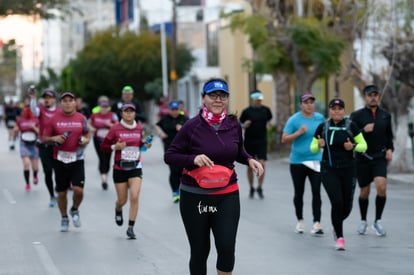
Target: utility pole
column 19, row 71
column 163, row 57
column 173, row 72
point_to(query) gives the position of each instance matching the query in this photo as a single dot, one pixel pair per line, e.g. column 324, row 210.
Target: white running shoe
column 75, row 218
column 316, row 229
column 64, row 225
column 379, row 229
column 300, row 227
column 362, row 228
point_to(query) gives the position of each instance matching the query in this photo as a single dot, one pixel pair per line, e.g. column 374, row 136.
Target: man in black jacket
column 375, row 124
column 128, row 97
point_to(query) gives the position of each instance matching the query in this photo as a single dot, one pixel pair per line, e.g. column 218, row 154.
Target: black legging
column 299, row 172
column 46, row 157
column 339, row 183
column 175, row 173
column 204, row 213
column 174, row 178
column 104, row 157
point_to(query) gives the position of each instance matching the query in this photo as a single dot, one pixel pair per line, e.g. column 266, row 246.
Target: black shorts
column 368, row 170
column 123, row 175
column 258, row 149
column 69, row 173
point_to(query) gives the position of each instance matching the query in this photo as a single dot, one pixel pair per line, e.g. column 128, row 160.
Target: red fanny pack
column 214, row 177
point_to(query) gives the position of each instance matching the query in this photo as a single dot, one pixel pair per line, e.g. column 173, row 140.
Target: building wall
column 236, row 48
column 233, row 50
column 62, row 39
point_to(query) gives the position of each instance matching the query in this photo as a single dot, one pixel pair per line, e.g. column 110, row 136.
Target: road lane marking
column 45, row 259
column 8, row 196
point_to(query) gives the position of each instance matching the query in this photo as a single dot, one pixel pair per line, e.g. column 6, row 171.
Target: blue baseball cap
column 215, row 85
column 174, row 105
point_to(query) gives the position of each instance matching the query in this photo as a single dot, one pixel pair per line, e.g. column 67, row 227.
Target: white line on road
column 45, row 259
column 8, row 196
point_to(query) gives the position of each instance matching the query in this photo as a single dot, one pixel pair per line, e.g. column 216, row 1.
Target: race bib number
column 130, row 153
column 66, row 157
column 101, row 133
column 11, row 123
column 29, row 136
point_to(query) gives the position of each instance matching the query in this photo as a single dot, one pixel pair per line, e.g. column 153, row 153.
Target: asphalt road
column 31, row 243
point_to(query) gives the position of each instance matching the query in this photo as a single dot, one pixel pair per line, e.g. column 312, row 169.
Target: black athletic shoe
column 251, row 195
column 118, row 218
column 104, row 186
column 260, row 192
column 130, row 233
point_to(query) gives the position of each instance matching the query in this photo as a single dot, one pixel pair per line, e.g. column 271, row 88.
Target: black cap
column 69, row 94
column 370, row 89
column 50, row 93
column 336, row 102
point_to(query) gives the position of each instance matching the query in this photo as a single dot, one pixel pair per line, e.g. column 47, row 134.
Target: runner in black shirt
column 11, row 113
column 128, row 97
column 167, row 128
column 340, row 138
column 375, row 123
column 254, row 120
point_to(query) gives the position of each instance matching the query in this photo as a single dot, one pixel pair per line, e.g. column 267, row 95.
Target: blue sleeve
column 289, row 127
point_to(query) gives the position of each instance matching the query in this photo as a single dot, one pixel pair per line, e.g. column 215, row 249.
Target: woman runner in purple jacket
column 207, row 147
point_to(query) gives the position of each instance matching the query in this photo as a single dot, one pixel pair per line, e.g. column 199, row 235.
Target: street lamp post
column 18, row 80
column 173, row 72
column 164, row 61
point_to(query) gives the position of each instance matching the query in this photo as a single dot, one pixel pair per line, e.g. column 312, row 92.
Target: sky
column 29, row 35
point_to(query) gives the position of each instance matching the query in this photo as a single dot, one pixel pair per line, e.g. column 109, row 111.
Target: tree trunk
column 283, row 103
column 401, row 158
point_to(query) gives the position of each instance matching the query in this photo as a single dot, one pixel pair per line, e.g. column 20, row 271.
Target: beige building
column 234, row 49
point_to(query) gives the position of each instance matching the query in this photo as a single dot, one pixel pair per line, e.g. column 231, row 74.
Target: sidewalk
column 401, row 178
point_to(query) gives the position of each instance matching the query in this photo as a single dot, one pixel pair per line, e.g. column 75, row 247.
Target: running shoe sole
column 318, row 233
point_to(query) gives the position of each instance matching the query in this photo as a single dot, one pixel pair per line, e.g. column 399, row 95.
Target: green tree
column 111, row 60
column 49, row 80
column 8, row 66
column 395, row 80
column 306, row 46
column 41, row 8
column 287, row 39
